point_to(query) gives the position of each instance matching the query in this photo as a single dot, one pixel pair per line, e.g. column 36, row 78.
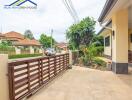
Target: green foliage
column 97, row 40
column 100, row 50
column 6, row 43
column 90, row 53
column 23, row 56
column 99, row 62
column 81, row 33
column 6, row 46
column 28, row 34
column 46, row 41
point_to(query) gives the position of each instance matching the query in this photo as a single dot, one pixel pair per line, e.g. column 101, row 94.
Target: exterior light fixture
column 113, row 33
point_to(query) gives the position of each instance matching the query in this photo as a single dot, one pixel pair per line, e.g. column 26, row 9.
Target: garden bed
column 97, row 63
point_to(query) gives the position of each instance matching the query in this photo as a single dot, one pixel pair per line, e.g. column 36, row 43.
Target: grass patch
column 24, row 56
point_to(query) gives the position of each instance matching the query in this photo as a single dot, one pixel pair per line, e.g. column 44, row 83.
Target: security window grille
column 107, row 41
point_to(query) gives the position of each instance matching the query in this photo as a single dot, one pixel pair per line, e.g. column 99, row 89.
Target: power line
column 74, row 11
column 71, row 10
column 69, row 6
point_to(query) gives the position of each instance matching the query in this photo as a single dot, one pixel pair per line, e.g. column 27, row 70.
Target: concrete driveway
column 87, row 84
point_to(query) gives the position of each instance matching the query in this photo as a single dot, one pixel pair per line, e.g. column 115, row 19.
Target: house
column 22, row 44
column 116, row 19
column 62, row 46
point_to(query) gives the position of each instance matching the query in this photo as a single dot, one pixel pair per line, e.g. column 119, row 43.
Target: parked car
column 50, row 52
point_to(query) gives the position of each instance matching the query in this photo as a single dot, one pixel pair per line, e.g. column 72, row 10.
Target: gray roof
column 107, row 8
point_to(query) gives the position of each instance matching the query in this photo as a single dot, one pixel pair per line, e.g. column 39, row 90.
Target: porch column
column 120, row 42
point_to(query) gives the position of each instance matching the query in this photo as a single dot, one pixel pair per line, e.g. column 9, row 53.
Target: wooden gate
column 28, row 76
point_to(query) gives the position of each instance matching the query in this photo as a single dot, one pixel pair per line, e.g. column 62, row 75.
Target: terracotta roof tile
column 27, row 42
column 20, row 40
column 13, row 34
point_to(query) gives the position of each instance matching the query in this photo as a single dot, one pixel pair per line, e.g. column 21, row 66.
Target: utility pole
column 51, row 38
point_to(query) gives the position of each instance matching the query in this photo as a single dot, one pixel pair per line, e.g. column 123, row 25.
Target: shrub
column 100, row 50
column 99, row 62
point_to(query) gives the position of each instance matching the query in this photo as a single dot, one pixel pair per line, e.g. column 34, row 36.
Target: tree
column 28, row 34
column 98, row 40
column 81, row 33
column 46, row 41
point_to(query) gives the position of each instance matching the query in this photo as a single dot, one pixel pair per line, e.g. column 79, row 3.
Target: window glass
column 107, row 41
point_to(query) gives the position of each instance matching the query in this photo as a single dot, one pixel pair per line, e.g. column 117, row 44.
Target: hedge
column 24, row 56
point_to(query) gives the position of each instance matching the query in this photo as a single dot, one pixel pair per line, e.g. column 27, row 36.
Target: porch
column 87, row 84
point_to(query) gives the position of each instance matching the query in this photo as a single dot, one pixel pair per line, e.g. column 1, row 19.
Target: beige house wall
column 107, row 50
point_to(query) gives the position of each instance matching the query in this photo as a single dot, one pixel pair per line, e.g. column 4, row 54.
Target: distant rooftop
column 20, row 39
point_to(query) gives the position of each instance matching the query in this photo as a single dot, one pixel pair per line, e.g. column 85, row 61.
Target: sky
column 50, row 14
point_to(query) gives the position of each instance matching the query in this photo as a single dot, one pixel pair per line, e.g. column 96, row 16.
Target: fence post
column 28, row 71
column 41, row 61
column 64, row 62
column 4, row 88
column 55, row 66
column 49, row 67
column 70, row 58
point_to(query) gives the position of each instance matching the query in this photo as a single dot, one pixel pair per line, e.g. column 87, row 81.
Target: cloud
column 50, row 14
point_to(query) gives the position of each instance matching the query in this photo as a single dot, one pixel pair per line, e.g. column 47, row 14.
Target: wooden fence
column 28, row 76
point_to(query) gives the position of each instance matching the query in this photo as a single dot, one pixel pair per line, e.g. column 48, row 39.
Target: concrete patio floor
column 87, row 84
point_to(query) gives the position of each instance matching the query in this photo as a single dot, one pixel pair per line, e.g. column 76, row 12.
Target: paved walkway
column 87, row 84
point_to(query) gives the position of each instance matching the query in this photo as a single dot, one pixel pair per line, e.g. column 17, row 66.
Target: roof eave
column 107, row 8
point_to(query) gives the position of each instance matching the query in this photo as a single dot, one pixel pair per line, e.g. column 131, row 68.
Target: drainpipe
column 109, row 28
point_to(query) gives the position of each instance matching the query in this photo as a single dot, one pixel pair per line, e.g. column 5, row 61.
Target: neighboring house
column 22, row 44
column 1, row 37
column 117, row 32
column 62, row 46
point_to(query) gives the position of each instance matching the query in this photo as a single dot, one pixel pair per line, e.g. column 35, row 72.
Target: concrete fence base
column 4, row 89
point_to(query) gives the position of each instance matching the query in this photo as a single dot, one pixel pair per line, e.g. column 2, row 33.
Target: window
column 107, row 41
column 131, row 37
